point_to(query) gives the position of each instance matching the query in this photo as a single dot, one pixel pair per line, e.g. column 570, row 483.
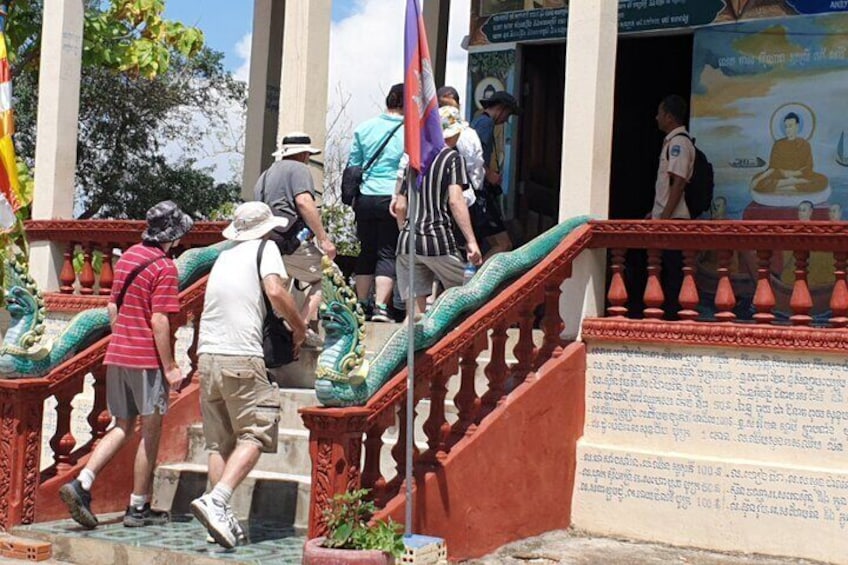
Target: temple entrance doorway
column 647, row 69
column 540, row 136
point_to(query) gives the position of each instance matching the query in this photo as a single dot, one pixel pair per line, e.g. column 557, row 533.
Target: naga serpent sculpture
column 24, row 351
column 346, row 378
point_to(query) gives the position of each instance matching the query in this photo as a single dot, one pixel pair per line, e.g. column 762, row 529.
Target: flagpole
column 410, row 351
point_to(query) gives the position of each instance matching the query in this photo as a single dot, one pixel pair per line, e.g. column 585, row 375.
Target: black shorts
column 377, row 231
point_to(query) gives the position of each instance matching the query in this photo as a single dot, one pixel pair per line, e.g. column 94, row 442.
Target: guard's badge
column 675, row 150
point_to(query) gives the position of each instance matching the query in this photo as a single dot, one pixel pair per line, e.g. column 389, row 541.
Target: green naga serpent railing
column 336, row 434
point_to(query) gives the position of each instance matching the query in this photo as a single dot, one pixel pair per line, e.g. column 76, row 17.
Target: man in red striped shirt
column 141, row 365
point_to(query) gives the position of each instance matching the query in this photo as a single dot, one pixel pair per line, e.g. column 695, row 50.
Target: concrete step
column 263, row 495
column 292, row 454
column 292, row 400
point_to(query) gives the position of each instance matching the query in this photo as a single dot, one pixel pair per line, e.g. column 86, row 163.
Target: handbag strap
column 380, row 149
column 268, row 308
column 130, row 278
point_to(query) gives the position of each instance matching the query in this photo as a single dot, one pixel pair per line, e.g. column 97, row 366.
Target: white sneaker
column 241, row 538
column 217, row 518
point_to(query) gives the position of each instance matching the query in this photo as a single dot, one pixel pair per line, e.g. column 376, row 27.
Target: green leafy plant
column 339, row 222
column 96, row 261
column 350, row 525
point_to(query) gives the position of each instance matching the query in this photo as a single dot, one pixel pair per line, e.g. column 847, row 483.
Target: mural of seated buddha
column 790, row 169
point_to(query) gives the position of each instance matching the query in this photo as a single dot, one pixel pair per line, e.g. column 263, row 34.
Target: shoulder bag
column 352, row 175
column 277, row 340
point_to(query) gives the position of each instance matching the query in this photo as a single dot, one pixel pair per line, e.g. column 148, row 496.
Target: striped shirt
column 434, row 224
column 154, row 290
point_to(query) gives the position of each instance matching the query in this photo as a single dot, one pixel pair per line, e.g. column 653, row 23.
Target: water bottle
column 468, row 272
column 303, row 234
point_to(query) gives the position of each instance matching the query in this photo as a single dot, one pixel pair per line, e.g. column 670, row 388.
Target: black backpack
column 699, row 191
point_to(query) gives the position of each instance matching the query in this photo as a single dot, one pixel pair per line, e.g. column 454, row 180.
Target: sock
column 221, row 494
column 86, row 478
column 139, row 500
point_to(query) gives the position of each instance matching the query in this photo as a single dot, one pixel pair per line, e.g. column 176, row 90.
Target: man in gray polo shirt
column 287, row 187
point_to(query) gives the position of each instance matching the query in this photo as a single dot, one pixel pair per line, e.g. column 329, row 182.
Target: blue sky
column 225, row 25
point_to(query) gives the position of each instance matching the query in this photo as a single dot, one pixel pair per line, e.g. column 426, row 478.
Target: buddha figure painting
column 790, row 177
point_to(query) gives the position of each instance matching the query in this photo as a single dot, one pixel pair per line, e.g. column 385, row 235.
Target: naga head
column 25, row 305
column 343, row 357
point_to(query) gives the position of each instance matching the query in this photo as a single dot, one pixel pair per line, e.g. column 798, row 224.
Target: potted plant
column 353, row 536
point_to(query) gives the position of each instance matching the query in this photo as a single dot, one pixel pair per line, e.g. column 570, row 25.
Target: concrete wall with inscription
column 737, row 450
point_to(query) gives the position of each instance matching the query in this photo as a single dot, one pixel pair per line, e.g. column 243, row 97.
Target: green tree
column 130, row 36
column 146, row 83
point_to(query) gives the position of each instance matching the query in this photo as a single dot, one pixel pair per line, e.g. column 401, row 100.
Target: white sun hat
column 295, row 142
column 451, row 121
column 252, row 220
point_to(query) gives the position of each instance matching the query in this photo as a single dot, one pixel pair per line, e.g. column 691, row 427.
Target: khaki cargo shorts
column 238, row 403
column 447, row 269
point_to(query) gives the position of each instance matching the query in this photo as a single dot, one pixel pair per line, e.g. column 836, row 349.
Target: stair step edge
column 254, row 474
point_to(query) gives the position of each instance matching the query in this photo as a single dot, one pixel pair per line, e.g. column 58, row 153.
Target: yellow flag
column 10, row 185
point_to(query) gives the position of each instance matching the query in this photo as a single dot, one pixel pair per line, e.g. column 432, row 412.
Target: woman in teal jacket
column 376, row 228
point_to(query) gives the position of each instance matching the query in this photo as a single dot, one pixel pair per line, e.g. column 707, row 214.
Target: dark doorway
column 647, row 69
column 540, row 134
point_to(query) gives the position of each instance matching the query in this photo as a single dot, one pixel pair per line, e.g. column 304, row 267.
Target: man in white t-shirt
column 240, row 406
column 677, row 161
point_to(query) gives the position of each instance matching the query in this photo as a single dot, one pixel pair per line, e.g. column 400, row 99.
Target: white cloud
column 220, row 141
column 242, row 73
column 366, row 55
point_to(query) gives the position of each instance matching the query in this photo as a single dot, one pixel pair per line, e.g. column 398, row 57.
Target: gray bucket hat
column 166, row 222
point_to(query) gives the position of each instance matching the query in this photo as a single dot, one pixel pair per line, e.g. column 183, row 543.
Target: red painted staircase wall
column 515, row 476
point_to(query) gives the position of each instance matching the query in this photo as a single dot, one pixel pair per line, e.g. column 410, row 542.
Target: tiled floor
column 269, row 543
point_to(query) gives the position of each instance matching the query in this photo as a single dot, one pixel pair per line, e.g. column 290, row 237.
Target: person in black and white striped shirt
column 440, row 207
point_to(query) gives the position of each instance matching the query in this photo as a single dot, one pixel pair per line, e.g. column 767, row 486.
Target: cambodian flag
column 422, row 128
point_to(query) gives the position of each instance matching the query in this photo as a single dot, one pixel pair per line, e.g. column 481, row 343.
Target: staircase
column 273, row 502
column 278, row 488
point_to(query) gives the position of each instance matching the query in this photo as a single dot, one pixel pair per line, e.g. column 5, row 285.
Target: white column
column 437, row 23
column 587, row 143
column 263, row 100
column 58, row 113
column 305, row 72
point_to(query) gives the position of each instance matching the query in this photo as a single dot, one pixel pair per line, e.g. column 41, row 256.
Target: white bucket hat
column 252, row 220
column 294, row 143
